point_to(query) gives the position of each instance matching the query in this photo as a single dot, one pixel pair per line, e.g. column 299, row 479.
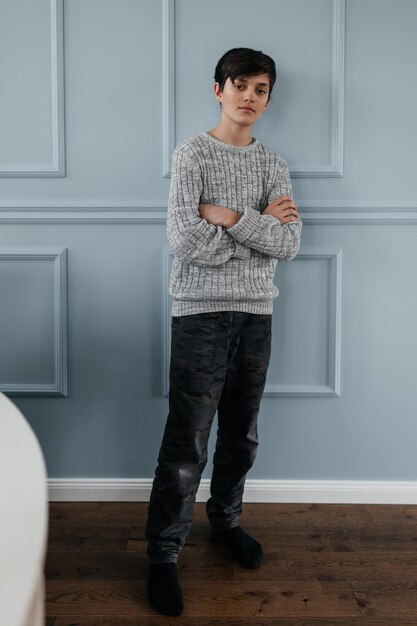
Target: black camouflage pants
column 219, row 362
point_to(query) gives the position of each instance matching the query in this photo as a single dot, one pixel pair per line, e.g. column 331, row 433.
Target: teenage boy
column 230, row 218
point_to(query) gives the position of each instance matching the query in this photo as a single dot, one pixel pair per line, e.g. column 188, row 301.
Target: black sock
column 164, row 589
column 245, row 548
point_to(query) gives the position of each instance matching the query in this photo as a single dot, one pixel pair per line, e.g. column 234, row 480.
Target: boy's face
column 245, row 100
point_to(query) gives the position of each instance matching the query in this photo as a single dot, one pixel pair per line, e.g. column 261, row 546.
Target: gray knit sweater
column 219, row 269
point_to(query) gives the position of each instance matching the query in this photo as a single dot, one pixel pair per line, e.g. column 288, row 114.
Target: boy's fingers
column 282, row 199
column 288, row 205
column 286, row 200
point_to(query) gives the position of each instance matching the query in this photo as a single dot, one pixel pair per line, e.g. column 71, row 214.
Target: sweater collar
column 229, row 146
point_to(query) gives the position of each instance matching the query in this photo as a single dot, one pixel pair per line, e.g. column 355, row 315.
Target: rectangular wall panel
column 31, row 104
column 33, row 328
column 305, row 357
column 306, row 326
column 309, row 137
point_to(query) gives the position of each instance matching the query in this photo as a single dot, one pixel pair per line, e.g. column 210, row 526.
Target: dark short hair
column 244, row 62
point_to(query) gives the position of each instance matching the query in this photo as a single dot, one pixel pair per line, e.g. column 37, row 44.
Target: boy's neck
column 236, row 136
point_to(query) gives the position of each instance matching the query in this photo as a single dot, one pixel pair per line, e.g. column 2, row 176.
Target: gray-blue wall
column 94, row 96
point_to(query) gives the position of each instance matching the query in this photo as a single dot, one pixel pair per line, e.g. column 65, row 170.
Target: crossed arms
column 206, row 234
column 283, row 208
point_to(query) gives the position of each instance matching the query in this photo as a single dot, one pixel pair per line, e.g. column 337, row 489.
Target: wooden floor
column 325, row 565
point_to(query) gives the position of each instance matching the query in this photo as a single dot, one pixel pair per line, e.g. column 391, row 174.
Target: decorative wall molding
column 154, row 212
column 168, row 84
column 59, row 258
column 336, row 130
column 357, row 214
column 57, row 75
column 57, row 166
column 85, row 213
column 276, row 491
column 337, row 83
column 333, row 384
column 337, row 133
column 166, row 322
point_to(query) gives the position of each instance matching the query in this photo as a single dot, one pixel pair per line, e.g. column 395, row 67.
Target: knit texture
column 219, row 269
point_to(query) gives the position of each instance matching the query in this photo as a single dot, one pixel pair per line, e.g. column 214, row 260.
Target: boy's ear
column 217, row 91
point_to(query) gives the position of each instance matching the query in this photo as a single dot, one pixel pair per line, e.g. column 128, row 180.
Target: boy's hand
column 283, row 208
column 218, row 215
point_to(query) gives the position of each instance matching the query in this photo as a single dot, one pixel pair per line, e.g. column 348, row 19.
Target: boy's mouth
column 247, row 109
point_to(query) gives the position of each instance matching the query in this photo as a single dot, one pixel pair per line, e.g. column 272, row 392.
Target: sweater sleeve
column 191, row 238
column 265, row 233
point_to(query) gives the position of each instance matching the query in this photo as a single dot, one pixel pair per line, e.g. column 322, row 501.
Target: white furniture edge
column 24, row 520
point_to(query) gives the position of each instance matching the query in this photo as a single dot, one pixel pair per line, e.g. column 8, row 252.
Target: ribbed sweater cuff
column 248, row 223
column 241, row 252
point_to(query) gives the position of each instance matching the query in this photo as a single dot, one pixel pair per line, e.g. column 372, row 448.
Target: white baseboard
column 296, row 491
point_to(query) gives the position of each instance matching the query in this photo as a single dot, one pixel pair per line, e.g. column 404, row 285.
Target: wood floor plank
column 97, row 513
column 207, row 599
column 275, row 539
column 328, row 566
column 338, row 516
column 398, row 599
column 391, row 517
column 135, row 514
column 282, row 566
column 129, row 566
column 283, row 516
column 87, row 538
column 344, row 540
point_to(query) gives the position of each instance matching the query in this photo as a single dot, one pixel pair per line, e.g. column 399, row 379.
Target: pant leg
column 197, row 372
column 237, row 436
